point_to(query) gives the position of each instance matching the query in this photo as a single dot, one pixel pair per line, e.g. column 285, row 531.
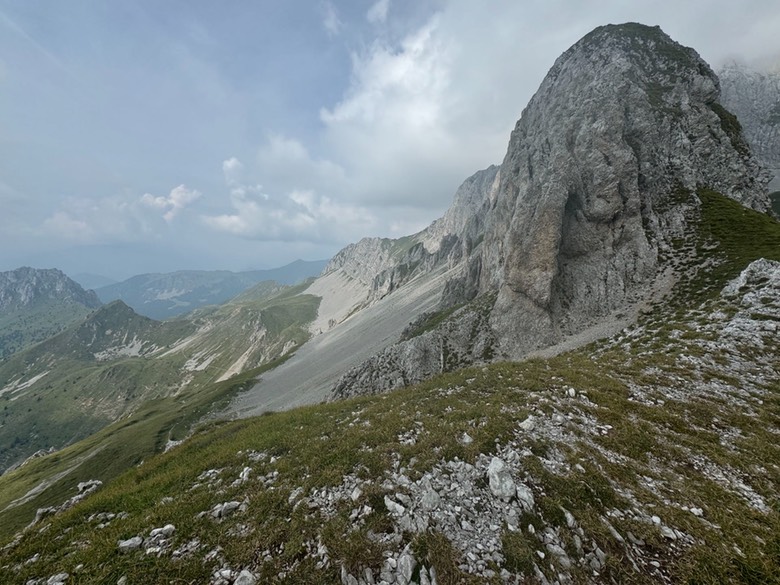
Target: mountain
column 569, row 238
column 616, row 284
column 754, row 97
column 71, row 385
column 108, row 366
column 36, row 304
column 162, row 296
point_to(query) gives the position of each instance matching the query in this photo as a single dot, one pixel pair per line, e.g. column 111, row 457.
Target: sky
column 146, row 136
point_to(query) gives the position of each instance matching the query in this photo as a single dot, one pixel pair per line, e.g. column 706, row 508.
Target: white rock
column 165, row 531
column 528, row 424
column 406, row 565
column 668, row 533
column 394, row 507
column 245, row 578
column 130, row 544
column 526, row 496
column 501, row 483
column 57, row 579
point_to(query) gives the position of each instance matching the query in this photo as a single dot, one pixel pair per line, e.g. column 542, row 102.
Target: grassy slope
column 22, row 328
column 79, row 395
column 82, row 396
column 316, row 446
column 114, row 449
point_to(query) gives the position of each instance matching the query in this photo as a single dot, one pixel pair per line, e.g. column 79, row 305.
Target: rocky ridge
column 588, row 201
column 36, row 304
column 26, row 286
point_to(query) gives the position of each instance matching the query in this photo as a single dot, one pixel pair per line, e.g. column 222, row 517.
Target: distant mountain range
column 162, row 296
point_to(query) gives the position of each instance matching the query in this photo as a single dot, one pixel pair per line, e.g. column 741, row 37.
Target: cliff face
column 623, row 119
column 754, row 97
column 571, row 226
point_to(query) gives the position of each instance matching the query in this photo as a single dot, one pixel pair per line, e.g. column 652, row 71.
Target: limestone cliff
column 586, row 199
column 754, row 97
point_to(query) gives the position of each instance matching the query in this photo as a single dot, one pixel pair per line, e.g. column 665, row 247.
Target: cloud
column 232, row 169
column 377, row 14
column 179, row 198
column 393, row 131
column 118, row 218
column 330, row 19
column 297, row 216
column 85, row 220
column 284, row 164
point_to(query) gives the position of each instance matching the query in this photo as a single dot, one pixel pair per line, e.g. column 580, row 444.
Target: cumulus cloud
column 124, row 217
column 179, row 198
column 330, row 19
column 232, row 169
column 378, row 12
column 392, row 130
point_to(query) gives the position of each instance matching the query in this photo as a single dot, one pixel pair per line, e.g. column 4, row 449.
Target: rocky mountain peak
column 568, row 234
column 27, row 286
column 624, row 119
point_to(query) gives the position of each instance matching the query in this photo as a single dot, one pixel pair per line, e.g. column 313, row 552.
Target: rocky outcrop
column 570, row 228
column 754, row 97
column 464, row 339
column 25, row 287
column 363, row 273
column 384, row 265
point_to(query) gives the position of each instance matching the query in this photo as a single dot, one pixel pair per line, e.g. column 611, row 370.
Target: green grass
column 21, row 328
column 114, row 449
column 316, row 446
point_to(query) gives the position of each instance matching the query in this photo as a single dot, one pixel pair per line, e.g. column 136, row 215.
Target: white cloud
column 378, row 12
column 284, row 165
column 179, row 198
column 232, row 169
column 298, row 216
column 330, row 19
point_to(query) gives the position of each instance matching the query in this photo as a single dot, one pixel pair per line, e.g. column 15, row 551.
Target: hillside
column 36, row 304
column 163, row 296
column 650, row 457
column 108, row 366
